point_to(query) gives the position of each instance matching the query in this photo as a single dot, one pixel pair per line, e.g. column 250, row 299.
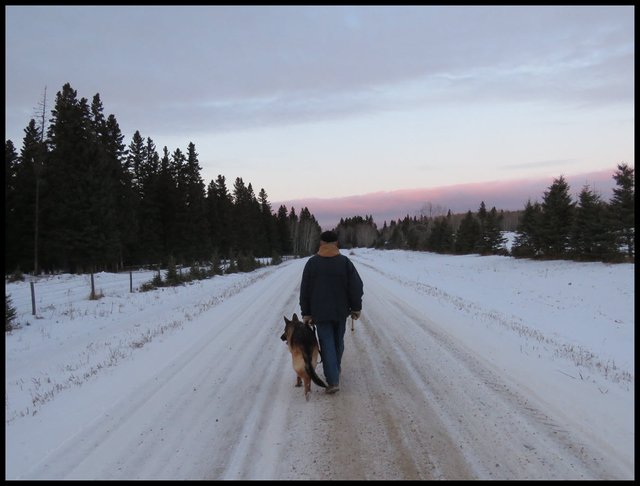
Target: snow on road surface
column 215, row 399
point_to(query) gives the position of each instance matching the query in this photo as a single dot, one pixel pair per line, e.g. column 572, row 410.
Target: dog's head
column 289, row 326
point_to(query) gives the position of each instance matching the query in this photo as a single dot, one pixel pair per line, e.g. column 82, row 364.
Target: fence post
column 130, row 281
column 33, row 299
column 93, row 288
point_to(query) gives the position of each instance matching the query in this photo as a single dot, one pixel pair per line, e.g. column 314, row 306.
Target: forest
column 78, row 199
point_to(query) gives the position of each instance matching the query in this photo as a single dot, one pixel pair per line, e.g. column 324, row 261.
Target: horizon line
column 506, row 195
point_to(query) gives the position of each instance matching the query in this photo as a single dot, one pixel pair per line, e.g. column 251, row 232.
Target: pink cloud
column 460, row 198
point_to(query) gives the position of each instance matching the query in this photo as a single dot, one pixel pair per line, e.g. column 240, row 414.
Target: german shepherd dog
column 303, row 345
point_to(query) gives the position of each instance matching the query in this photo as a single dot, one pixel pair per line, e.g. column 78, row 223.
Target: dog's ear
column 295, row 318
column 287, row 321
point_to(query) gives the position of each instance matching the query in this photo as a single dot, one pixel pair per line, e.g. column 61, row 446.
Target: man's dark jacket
column 331, row 287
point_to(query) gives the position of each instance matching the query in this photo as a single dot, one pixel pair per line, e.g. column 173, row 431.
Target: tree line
column 589, row 229
column 77, row 199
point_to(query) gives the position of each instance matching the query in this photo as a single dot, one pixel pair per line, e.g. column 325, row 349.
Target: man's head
column 329, row 237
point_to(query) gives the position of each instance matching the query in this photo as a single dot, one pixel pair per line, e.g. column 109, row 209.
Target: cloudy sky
column 330, row 102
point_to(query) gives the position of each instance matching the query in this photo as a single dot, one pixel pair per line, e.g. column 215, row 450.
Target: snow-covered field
column 460, row 367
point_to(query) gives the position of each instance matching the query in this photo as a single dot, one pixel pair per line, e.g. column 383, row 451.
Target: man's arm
column 305, row 291
column 355, row 289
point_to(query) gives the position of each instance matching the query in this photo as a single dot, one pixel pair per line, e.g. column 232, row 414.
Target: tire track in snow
column 191, row 390
column 499, row 433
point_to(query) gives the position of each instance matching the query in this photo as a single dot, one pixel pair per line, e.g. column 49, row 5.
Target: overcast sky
column 338, row 101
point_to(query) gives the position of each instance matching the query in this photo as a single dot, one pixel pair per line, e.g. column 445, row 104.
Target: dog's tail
column 311, row 370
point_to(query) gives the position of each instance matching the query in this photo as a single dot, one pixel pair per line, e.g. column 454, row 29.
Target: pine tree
column 528, row 243
column 22, row 221
column 108, row 215
column 590, row 237
column 623, row 209
column 557, row 217
column 136, row 157
column 441, row 238
column 242, row 231
column 269, row 228
column 180, row 244
column 11, row 212
column 149, row 200
column 196, row 235
column 468, row 234
column 293, row 230
column 492, row 236
column 213, row 217
column 219, row 213
column 259, row 239
column 284, row 233
column 481, row 244
column 167, row 204
column 68, row 232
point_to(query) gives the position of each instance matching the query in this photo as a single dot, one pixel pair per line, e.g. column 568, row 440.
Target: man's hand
column 355, row 315
column 307, row 319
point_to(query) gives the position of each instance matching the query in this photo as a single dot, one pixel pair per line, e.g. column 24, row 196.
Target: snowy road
column 219, row 403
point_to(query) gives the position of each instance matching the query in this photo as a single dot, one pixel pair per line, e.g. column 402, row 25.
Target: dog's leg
column 307, row 387
column 298, row 381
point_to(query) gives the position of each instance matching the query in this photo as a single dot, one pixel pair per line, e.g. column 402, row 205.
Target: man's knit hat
column 329, row 237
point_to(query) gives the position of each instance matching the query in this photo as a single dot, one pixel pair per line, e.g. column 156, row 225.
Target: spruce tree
column 149, row 223
column 527, row 243
column 481, row 243
column 589, row 236
column 167, row 203
column 220, row 209
column 259, row 238
column 23, row 224
column 196, row 235
column 441, row 237
column 181, row 245
column 623, row 219
column 284, row 233
column 491, row 235
column 136, row 156
column 242, row 231
column 468, row 234
column 11, row 212
column 68, row 230
column 269, row 228
column 108, row 215
column 557, row 217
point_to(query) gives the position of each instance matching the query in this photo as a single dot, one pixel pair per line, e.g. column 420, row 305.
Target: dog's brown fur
column 303, row 345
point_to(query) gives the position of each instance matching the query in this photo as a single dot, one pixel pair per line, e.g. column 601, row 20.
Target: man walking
column 330, row 291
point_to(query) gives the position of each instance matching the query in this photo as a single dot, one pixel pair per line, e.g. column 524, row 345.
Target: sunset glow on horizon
column 386, row 206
